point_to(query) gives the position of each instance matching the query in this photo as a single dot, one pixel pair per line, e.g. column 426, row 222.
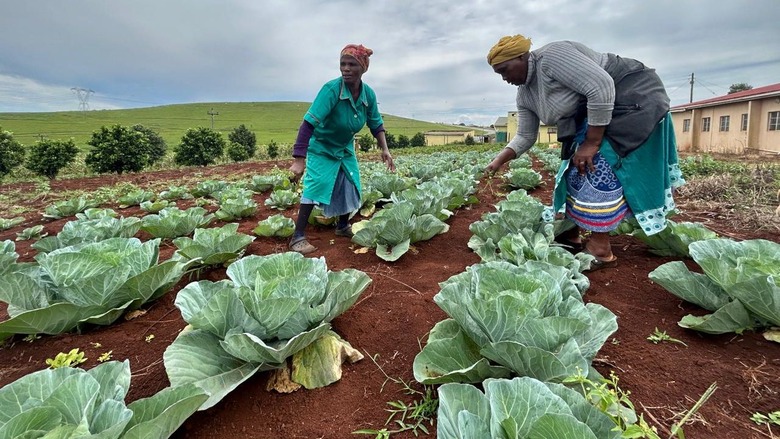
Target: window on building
column 705, row 124
column 774, row 121
column 743, row 123
column 724, row 123
column 686, row 125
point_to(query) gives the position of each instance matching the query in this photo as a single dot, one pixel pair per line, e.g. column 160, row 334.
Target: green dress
column 336, row 118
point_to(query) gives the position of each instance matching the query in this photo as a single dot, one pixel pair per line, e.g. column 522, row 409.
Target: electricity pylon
column 83, row 95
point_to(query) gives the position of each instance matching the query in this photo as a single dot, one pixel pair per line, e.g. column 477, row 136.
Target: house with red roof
column 745, row 121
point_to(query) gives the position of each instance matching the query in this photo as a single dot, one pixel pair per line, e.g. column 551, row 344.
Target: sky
column 429, row 60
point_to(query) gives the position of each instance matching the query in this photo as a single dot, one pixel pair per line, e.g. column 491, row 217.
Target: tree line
column 119, row 149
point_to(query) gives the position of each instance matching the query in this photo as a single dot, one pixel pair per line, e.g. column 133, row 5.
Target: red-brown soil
column 391, row 320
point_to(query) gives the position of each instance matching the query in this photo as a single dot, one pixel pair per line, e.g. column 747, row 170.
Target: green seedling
column 406, row 417
column 765, row 419
column 71, row 359
column 658, row 336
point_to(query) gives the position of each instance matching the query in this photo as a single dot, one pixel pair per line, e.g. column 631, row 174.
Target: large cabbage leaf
column 270, row 308
column 673, row 240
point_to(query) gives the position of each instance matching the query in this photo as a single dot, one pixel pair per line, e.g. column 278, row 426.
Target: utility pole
column 83, row 95
column 691, row 98
column 212, row 113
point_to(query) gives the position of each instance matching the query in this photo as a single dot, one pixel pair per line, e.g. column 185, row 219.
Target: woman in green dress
column 325, row 146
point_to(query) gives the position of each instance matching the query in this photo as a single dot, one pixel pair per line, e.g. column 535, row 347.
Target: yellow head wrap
column 508, row 47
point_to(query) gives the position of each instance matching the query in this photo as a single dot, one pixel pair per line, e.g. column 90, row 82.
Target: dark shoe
column 571, row 246
column 346, row 231
column 301, row 245
column 598, row 264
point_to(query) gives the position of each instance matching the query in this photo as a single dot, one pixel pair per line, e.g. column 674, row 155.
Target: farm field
column 270, row 121
column 391, row 319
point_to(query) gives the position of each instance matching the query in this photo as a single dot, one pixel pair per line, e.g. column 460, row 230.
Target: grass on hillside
column 270, row 121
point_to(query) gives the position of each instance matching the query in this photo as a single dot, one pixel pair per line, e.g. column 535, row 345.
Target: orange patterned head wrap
column 359, row 52
column 507, row 48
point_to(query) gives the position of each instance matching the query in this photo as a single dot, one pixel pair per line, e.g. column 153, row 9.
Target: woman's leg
column 343, row 222
column 304, row 211
column 599, row 246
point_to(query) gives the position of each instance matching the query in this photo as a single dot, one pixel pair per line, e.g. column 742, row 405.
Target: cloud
column 429, row 60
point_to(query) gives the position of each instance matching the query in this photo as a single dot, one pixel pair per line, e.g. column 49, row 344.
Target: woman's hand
column 388, row 159
column 502, row 157
column 297, row 167
column 583, row 158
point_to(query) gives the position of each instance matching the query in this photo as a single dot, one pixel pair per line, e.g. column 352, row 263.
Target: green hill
column 277, row 121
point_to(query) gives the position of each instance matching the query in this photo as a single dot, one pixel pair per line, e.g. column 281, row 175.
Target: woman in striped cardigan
column 618, row 145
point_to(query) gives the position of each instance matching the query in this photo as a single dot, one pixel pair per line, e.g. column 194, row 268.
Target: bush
column 237, row 152
column 418, row 140
column 391, row 142
column 273, row 150
column 366, row 142
column 11, row 153
column 157, row 148
column 242, row 136
column 117, row 149
column 403, row 141
column 199, row 147
column 469, row 140
column 48, row 157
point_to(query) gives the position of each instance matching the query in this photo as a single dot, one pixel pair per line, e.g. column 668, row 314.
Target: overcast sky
column 429, row 56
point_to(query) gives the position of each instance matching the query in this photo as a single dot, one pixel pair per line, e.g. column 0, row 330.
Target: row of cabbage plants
column 270, row 309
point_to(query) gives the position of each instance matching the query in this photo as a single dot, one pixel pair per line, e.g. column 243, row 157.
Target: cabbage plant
column 212, row 246
column 529, row 244
column 209, row 188
column 394, row 228
column 174, row 193
column 281, row 199
column 73, row 403
column 7, row 223
column 388, row 184
column 173, row 222
column 522, row 178
column 62, row 209
column 235, row 203
column 275, row 225
column 85, row 229
column 268, row 309
column 156, row 206
column 92, row 283
column 263, row 183
column 740, row 284
column 424, row 201
column 521, row 408
column 135, row 198
column 526, row 320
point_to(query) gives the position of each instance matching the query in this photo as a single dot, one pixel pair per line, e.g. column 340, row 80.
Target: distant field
column 277, row 121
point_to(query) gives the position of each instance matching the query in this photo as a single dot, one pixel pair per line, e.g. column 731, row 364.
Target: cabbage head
column 270, row 308
column 91, row 283
column 70, row 402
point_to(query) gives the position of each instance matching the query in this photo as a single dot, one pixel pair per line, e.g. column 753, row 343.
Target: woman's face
column 351, row 70
column 513, row 71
